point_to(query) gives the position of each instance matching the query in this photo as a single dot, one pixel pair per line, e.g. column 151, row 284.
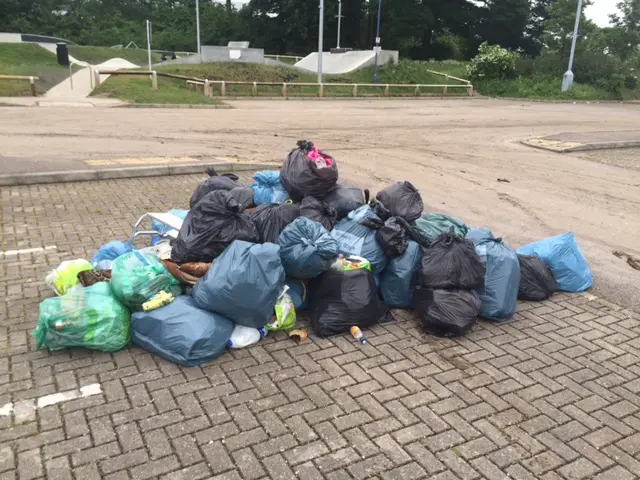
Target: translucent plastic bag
column 104, row 257
column 65, row 277
column 89, row 317
column 285, row 317
column 267, row 188
column 136, row 278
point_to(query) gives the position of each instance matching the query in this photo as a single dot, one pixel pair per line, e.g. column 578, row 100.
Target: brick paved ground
column 552, row 394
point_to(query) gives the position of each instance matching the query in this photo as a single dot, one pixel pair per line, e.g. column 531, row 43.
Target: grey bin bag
column 243, row 283
column 499, row 291
column 181, row 332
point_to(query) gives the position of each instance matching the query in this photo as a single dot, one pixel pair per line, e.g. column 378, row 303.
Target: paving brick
column 275, row 445
column 187, row 450
column 457, row 465
column 338, row 459
column 94, row 454
column 217, row 457
column 581, row 468
column 155, row 468
column 248, row 464
column 157, row 442
column 194, row 472
column 369, row 467
column 124, row 461
column 277, row 467
column 246, row 439
column 30, row 464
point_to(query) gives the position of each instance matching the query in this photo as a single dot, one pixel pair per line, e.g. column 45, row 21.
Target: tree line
column 419, row 29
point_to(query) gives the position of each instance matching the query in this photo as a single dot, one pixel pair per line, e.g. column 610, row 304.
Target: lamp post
column 339, row 22
column 567, row 79
column 320, row 40
column 377, row 45
column 198, row 28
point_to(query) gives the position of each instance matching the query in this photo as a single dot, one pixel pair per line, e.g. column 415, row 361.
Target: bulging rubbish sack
column 400, row 277
column 216, row 221
column 108, row 252
column 243, row 195
column 212, row 184
column 565, row 259
column 65, row 277
column 306, row 249
column 89, row 317
column 319, row 211
column 536, row 279
column 301, row 175
column 499, row 290
column 434, row 224
column 402, row 199
column 136, row 278
column 270, row 220
column 344, row 299
column 243, row 284
column 451, row 262
column 267, row 188
column 356, row 239
column 391, row 234
column 345, row 199
column 181, row 332
column 447, row 313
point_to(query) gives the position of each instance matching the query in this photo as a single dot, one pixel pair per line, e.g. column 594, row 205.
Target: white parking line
column 11, row 253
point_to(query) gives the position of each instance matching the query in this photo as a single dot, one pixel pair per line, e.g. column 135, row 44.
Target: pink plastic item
column 314, row 155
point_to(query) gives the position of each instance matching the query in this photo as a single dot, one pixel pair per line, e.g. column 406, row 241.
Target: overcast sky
column 598, row 12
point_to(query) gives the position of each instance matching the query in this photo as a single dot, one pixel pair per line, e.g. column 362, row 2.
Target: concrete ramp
column 340, row 63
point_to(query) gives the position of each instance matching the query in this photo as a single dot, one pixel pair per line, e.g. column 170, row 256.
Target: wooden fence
column 212, row 88
column 30, row 79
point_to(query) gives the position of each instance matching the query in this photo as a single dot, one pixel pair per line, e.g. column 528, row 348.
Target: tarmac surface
column 454, row 151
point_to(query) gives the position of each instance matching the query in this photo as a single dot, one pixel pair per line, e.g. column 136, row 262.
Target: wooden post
column 207, row 88
column 223, row 89
column 97, row 76
column 32, row 85
column 470, row 90
column 254, row 89
column 386, row 90
column 154, row 80
column 284, row 90
column 320, row 90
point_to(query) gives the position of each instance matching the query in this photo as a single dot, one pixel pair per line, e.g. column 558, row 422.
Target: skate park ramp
column 340, row 63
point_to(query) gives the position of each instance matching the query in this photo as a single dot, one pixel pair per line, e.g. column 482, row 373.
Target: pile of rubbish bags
column 248, row 259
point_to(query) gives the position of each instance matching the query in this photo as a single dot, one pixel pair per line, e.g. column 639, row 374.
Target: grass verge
column 98, row 55
column 28, row 59
column 137, row 89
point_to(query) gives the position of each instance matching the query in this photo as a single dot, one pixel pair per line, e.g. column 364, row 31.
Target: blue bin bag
column 298, row 293
column 306, row 249
column 181, row 332
column 400, row 278
column 108, row 252
column 356, row 239
column 267, row 188
column 499, row 290
column 158, row 227
column 243, row 283
column 565, row 259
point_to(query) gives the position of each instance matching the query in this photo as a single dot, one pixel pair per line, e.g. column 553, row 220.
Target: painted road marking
column 25, row 410
column 140, row 161
column 11, row 253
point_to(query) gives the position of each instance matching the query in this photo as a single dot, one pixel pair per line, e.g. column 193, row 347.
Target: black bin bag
column 451, row 262
column 215, row 222
column 301, row 176
column 212, row 184
column 319, row 211
column 447, row 313
column 537, row 283
column 402, row 199
column 343, row 299
column 346, row 198
column 270, row 219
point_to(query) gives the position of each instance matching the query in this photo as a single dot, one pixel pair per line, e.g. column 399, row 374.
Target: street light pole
column 198, row 28
column 567, row 79
column 339, row 22
column 320, row 40
column 377, row 46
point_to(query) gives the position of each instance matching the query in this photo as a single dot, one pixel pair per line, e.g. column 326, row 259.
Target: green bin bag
column 136, row 278
column 89, row 317
column 433, row 224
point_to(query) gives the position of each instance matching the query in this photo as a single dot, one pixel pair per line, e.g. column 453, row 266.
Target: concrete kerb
column 568, row 147
column 127, row 172
column 202, row 106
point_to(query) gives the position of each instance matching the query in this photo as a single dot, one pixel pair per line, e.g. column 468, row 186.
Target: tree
column 625, row 36
column 558, row 28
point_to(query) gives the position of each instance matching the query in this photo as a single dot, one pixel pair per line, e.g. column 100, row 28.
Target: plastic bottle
column 244, row 336
column 358, row 335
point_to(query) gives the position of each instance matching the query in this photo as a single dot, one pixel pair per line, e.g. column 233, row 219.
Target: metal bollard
column 207, row 88
column 254, row 90
column 154, row 80
column 284, row 90
column 223, row 89
column 32, row 85
column 97, row 78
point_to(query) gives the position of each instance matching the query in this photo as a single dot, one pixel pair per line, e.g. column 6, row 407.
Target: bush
column 492, row 62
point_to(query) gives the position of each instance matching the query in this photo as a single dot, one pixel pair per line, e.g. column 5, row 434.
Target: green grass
column 98, row 55
column 28, row 59
column 541, row 88
column 137, row 89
